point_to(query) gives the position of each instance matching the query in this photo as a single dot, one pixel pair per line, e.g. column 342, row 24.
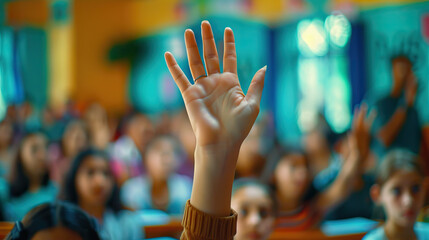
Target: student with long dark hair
column 29, row 184
column 289, row 174
column 57, row 220
column 90, row 185
column 161, row 187
column 74, row 139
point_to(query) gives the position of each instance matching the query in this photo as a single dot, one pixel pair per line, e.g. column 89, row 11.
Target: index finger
column 176, row 72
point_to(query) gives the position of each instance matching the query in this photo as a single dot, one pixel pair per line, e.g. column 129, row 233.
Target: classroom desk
column 5, row 228
column 173, row 229
column 313, row 235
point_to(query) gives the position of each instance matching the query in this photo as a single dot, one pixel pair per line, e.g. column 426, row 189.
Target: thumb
column 254, row 94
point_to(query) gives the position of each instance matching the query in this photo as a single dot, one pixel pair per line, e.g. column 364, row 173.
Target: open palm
column 217, row 107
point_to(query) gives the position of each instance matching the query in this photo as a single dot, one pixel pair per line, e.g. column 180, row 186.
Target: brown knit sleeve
column 198, row 225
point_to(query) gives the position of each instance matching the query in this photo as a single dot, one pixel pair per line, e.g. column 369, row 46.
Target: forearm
column 388, row 132
column 348, row 176
column 343, row 185
column 213, row 179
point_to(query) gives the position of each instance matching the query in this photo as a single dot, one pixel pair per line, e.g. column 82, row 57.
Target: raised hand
column 217, row 107
column 411, row 87
column 360, row 132
column 221, row 116
column 358, row 144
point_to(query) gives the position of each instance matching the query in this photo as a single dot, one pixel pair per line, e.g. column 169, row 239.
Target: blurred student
column 400, row 189
column 289, row 174
column 96, row 119
column 6, row 146
column 182, row 129
column 358, row 203
column 29, row 184
column 58, row 220
column 251, row 160
column 90, row 185
column 127, row 151
column 74, row 139
column 256, row 208
column 160, row 188
column 326, row 152
column 397, row 124
column 325, row 163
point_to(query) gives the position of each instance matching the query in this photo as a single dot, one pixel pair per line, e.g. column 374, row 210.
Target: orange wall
column 98, row 25
column 34, row 12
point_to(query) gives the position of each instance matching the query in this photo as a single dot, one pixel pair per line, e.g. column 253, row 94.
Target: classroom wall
column 98, row 26
column 393, row 30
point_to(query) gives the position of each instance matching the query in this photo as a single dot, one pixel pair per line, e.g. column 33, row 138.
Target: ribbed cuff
column 206, row 226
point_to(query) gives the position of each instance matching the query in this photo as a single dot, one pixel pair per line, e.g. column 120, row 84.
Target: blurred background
column 323, row 56
column 92, row 73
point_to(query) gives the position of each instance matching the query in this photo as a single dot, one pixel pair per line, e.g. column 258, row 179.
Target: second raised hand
column 217, row 107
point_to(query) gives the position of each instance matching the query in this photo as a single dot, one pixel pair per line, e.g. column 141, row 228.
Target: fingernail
column 264, row 68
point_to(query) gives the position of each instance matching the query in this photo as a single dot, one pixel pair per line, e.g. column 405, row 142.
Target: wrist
column 224, row 151
column 216, row 161
column 213, row 178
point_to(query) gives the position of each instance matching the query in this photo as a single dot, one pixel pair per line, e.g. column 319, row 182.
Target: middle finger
column 209, row 48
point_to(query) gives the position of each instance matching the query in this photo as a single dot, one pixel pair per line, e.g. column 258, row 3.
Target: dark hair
column 128, row 119
column 397, row 160
column 72, row 123
column 245, row 182
column 322, row 126
column 69, row 192
column 176, row 144
column 51, row 215
column 19, row 182
column 401, row 57
column 275, row 157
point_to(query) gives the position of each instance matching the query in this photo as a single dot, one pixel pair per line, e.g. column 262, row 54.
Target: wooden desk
column 174, row 229
column 312, row 235
column 5, row 228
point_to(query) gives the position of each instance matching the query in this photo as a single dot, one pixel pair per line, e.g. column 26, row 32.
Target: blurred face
column 292, row 176
column 75, row 139
column 95, row 115
column 401, row 69
column 56, row 233
column 402, row 197
column 249, row 160
column 140, row 130
column 315, row 143
column 255, row 213
column 6, row 133
column 33, row 153
column 94, row 181
column 161, row 159
column 187, row 137
column 100, row 136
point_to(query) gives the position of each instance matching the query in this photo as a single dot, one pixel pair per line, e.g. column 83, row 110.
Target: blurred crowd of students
column 116, row 168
